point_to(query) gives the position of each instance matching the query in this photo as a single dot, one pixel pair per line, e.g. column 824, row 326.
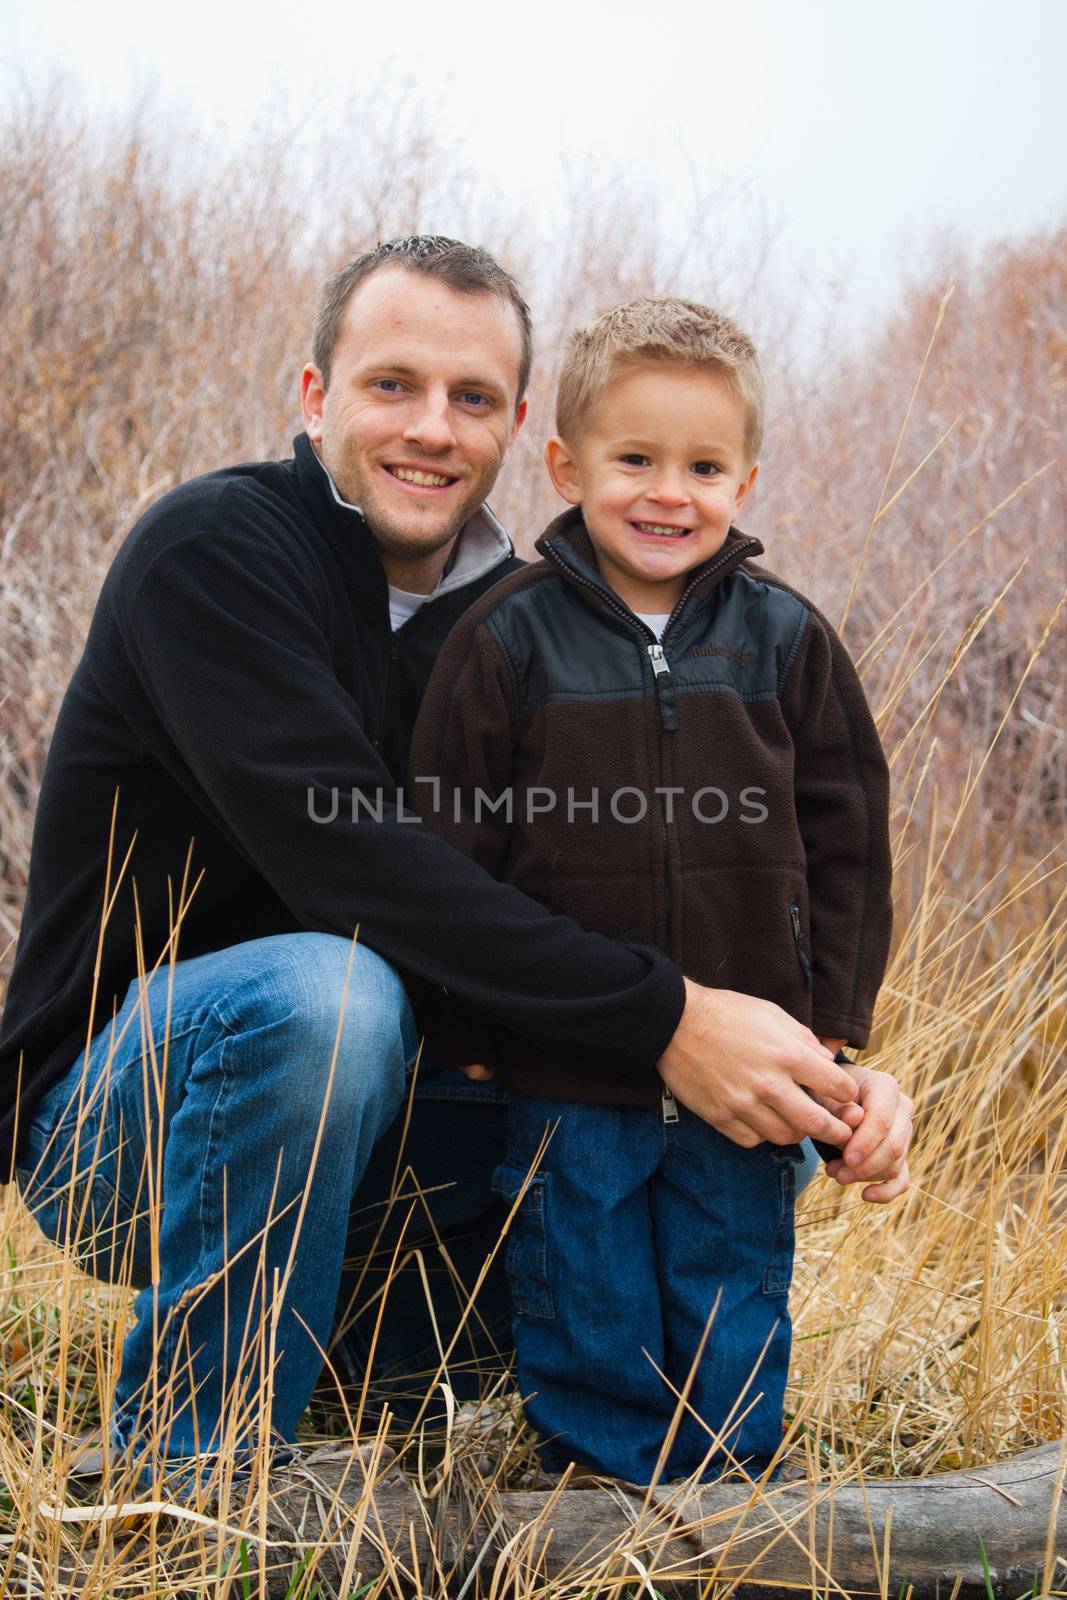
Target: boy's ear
column 745, row 485
column 563, row 470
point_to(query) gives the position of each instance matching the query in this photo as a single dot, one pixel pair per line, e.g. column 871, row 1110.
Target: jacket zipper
column 385, row 691
column 668, row 714
column 798, row 937
column 661, row 678
column 661, row 671
column 669, row 1107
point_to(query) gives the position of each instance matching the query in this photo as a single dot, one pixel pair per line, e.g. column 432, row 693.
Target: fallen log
column 930, row 1533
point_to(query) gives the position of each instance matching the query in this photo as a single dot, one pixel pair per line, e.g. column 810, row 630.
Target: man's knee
column 342, row 1012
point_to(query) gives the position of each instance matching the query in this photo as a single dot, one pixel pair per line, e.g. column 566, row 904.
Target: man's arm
column 227, row 639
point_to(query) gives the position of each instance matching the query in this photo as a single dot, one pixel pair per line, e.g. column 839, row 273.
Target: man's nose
column 430, row 422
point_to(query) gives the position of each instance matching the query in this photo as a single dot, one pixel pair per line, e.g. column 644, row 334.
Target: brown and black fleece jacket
column 722, row 792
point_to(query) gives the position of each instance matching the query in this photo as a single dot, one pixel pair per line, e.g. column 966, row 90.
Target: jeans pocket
column 779, row 1271
column 526, row 1261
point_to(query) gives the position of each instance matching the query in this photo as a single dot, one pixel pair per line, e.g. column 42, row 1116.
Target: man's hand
column 877, row 1153
column 744, row 1064
column 477, row 1073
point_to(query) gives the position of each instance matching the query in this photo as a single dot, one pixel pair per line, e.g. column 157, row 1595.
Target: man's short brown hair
column 644, row 332
column 465, row 268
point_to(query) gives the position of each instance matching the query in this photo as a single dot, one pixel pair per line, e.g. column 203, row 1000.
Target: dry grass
column 152, row 328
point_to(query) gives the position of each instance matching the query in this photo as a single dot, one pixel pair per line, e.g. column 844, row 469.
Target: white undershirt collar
column 656, row 620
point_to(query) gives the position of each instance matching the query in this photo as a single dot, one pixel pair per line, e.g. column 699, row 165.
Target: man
column 197, row 1061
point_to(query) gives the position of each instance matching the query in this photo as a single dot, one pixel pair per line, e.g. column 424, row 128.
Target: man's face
column 419, row 413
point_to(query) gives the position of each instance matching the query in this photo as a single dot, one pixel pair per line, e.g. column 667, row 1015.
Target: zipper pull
column 802, row 950
column 670, row 1107
column 664, row 691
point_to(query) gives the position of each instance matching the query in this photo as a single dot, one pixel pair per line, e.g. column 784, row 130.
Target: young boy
column 650, row 733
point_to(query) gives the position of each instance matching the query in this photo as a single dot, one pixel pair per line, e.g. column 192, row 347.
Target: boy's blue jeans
column 632, row 1233
column 232, row 1153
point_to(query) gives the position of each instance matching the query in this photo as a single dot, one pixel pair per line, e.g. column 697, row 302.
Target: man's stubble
column 419, row 534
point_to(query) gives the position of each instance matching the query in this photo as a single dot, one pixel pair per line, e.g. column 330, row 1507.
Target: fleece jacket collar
column 566, row 543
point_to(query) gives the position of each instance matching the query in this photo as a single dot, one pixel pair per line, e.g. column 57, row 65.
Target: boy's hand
column 877, row 1152
column 478, row 1074
column 744, row 1065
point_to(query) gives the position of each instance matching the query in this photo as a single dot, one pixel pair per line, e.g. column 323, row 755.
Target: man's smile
column 421, row 478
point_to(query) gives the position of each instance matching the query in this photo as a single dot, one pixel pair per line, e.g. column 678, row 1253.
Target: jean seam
column 777, row 1277
column 169, row 1343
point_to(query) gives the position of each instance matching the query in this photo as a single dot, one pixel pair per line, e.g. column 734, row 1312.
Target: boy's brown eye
column 705, row 469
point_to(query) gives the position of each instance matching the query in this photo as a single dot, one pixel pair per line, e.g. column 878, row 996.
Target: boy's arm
column 841, row 785
column 842, row 796
column 460, row 773
column 461, row 750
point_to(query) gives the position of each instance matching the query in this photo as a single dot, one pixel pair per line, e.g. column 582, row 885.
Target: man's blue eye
column 388, row 384
column 473, row 398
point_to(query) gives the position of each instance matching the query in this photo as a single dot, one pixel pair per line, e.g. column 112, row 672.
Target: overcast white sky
column 863, row 126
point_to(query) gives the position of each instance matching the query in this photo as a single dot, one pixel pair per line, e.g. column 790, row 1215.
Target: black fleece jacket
column 240, row 679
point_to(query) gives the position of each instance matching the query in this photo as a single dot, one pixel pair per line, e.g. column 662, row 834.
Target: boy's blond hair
column 651, row 330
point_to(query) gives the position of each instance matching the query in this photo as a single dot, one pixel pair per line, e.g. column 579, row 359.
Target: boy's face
column 659, row 470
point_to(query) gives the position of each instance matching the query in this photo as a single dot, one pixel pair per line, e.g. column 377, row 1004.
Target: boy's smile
column 659, row 471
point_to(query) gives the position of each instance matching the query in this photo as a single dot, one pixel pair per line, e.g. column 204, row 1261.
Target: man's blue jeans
column 636, row 1240
column 218, row 1146
column 249, row 1164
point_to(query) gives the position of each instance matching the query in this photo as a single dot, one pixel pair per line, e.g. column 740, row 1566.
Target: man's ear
column 563, row 470
column 312, row 400
column 520, row 417
column 745, row 485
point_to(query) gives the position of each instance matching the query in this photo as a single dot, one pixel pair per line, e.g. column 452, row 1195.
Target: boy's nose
column 669, row 491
